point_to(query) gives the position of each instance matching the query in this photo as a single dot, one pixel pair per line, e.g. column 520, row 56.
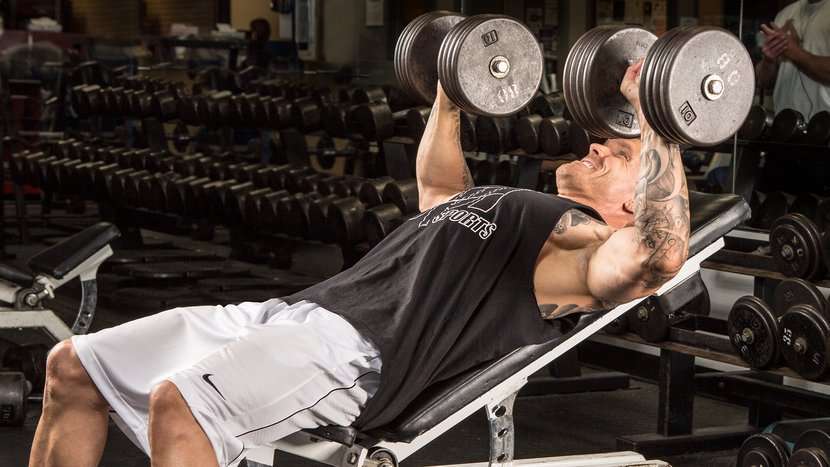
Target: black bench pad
column 712, row 216
column 63, row 257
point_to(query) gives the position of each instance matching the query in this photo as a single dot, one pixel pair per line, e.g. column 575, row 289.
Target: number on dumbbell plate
column 508, row 93
column 723, row 60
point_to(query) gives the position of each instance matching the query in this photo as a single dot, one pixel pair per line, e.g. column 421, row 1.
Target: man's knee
column 167, row 404
column 66, row 376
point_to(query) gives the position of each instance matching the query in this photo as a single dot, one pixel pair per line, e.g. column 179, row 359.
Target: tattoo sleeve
column 661, row 207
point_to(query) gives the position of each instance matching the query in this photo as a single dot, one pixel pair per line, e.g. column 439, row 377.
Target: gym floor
column 546, row 426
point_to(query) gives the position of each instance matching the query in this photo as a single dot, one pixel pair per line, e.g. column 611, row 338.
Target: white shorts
column 251, row 373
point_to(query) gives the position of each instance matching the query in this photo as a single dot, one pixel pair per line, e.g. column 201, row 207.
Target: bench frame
column 493, row 401
column 31, row 315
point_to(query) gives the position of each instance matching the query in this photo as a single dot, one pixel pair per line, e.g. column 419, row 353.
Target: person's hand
column 442, row 100
column 780, row 42
column 630, row 86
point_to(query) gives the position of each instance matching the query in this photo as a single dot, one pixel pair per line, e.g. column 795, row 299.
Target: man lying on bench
column 478, row 273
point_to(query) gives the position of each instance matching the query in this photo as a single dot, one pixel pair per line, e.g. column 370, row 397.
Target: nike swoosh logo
column 206, row 377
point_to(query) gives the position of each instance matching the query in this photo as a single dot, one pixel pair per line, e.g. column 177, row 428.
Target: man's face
column 604, row 179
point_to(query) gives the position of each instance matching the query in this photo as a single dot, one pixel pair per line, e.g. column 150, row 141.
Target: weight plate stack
column 805, row 336
column 793, row 291
column 753, row 331
column 416, row 50
column 763, row 449
column 593, row 70
column 697, row 85
column 490, row 65
column 796, row 246
column 811, row 449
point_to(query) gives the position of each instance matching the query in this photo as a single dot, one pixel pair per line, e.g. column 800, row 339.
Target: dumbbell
column 261, row 207
column 368, row 95
column 487, row 64
column 763, row 450
column 815, row 207
column 307, row 114
column 14, row 397
column 770, row 206
column 758, row 124
column 811, row 449
column 818, row 129
column 795, row 327
column 788, row 126
column 552, row 135
column 547, row 105
column 696, row 83
column 371, row 191
column 399, row 199
column 30, row 360
column 798, row 247
column 653, row 318
column 376, row 121
column 495, row 135
column 467, row 129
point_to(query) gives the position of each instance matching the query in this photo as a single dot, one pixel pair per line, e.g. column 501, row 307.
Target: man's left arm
column 635, row 261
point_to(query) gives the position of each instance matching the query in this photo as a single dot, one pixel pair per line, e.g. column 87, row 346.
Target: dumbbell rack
column 697, row 359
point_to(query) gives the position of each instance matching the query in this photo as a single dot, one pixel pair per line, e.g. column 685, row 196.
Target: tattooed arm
column 635, row 261
column 441, row 170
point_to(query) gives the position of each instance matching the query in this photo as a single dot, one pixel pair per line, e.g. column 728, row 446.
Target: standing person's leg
column 304, row 368
column 72, row 429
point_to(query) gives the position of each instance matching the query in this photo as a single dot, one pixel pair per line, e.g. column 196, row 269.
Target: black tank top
column 449, row 289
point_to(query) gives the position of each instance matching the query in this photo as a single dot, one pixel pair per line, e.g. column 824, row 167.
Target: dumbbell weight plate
column 787, row 125
column 403, row 194
column 527, row 133
column 575, row 99
column 379, row 221
column 13, row 393
column 757, row 124
column 813, row 439
column 467, row 130
column 818, row 129
column 493, row 65
column 656, row 78
column 796, row 246
column 763, row 450
column 607, row 65
column 805, row 336
column 707, row 88
column 416, row 52
column 753, row 331
column 793, row 291
column 809, row 457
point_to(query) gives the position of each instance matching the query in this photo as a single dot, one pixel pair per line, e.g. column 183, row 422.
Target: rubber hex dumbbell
column 307, row 114
column 371, row 191
column 691, row 77
column 789, row 125
column 345, row 216
column 758, row 124
column 558, row 136
column 467, row 130
column 379, row 221
column 377, row 122
column 548, row 105
column 368, row 95
column 403, row 194
column 495, row 135
column 818, row 129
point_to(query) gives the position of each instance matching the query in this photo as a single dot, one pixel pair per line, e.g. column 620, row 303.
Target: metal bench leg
column 502, row 432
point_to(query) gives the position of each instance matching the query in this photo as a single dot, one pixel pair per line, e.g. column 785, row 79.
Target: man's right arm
column 441, row 170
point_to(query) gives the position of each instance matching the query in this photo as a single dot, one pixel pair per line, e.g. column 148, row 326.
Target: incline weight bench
column 22, row 294
column 493, row 386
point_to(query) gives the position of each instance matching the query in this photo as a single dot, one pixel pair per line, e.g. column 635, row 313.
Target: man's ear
column 628, row 206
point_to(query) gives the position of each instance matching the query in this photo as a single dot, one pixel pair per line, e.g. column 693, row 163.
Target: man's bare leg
column 176, row 438
column 72, row 430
